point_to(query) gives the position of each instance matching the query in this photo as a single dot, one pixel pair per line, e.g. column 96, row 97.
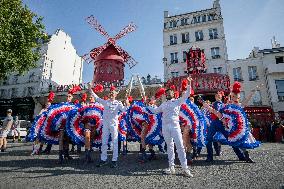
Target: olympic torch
column 129, row 87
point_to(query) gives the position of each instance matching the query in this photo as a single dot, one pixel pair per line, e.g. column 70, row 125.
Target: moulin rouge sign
column 204, row 83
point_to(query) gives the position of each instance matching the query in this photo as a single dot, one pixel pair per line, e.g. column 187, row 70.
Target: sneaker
column 170, row 171
column 101, row 163
column 2, row 150
column 187, row 173
column 113, row 164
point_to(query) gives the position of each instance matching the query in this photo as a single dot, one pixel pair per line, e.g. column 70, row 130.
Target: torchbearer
column 110, row 124
column 171, row 128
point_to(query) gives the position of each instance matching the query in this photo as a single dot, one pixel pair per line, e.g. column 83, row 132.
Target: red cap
column 160, row 92
column 51, row 96
column 236, row 88
column 84, row 97
column 98, row 88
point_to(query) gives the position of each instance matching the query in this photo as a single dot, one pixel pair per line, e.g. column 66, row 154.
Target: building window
column 14, row 92
column 32, row 77
column 24, row 93
column 257, row 98
column 173, row 24
column 213, row 34
column 252, row 73
column 279, row 59
column 185, row 37
column 218, row 70
column 196, row 19
column 184, row 56
column 3, row 93
column 174, row 57
column 199, row 35
column 174, row 74
column 204, row 18
column 210, row 17
column 242, row 96
column 30, row 91
column 184, row 21
column 280, row 89
column 215, row 52
column 173, row 39
column 237, row 73
column 15, row 79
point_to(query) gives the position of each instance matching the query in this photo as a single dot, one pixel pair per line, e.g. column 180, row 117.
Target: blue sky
column 247, row 23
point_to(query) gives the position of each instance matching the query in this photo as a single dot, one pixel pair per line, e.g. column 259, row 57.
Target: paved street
column 20, row 170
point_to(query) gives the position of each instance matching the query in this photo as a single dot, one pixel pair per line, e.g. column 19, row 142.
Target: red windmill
column 109, row 59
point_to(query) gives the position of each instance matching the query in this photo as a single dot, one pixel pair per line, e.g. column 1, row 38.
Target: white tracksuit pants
column 172, row 135
column 113, row 130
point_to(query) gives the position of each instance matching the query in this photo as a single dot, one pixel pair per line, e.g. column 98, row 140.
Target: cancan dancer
column 110, row 124
column 171, row 128
column 246, row 140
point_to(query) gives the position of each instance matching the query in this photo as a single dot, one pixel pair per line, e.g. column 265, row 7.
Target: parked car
column 24, row 126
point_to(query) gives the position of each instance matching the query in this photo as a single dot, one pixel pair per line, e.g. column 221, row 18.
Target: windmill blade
column 87, row 58
column 128, row 29
column 131, row 62
column 127, row 58
column 94, row 22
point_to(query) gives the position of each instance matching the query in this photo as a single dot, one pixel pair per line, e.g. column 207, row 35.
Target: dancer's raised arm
column 157, row 109
column 187, row 92
column 252, row 93
column 97, row 98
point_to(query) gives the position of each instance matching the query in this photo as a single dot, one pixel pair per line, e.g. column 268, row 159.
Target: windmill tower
column 109, row 59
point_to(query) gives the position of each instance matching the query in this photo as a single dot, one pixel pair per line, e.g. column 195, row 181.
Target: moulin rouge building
column 202, row 30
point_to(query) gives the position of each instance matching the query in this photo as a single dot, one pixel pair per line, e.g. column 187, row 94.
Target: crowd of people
column 177, row 134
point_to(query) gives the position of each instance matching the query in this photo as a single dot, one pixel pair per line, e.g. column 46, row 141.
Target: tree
column 21, row 35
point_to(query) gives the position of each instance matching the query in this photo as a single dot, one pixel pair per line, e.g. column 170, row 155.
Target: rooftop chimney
column 166, row 14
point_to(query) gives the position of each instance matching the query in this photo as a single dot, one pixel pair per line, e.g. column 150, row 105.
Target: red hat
column 112, row 88
column 173, row 87
column 84, row 97
column 160, row 92
column 236, row 88
column 105, row 98
column 51, row 96
column 130, row 99
column 184, row 84
column 76, row 101
column 98, row 88
column 176, row 94
column 74, row 89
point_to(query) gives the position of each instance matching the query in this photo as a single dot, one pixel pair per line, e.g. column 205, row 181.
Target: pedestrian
column 16, row 129
column 7, row 125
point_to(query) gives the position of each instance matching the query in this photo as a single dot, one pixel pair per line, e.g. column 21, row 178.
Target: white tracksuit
column 110, row 125
column 171, row 128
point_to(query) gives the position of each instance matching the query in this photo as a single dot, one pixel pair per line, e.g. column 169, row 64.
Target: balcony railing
column 174, row 61
column 216, row 56
column 238, row 79
column 254, row 78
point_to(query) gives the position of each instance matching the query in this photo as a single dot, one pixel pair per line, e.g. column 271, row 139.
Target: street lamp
column 165, row 69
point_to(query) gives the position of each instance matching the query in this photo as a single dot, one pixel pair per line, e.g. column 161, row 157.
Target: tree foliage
column 21, row 34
